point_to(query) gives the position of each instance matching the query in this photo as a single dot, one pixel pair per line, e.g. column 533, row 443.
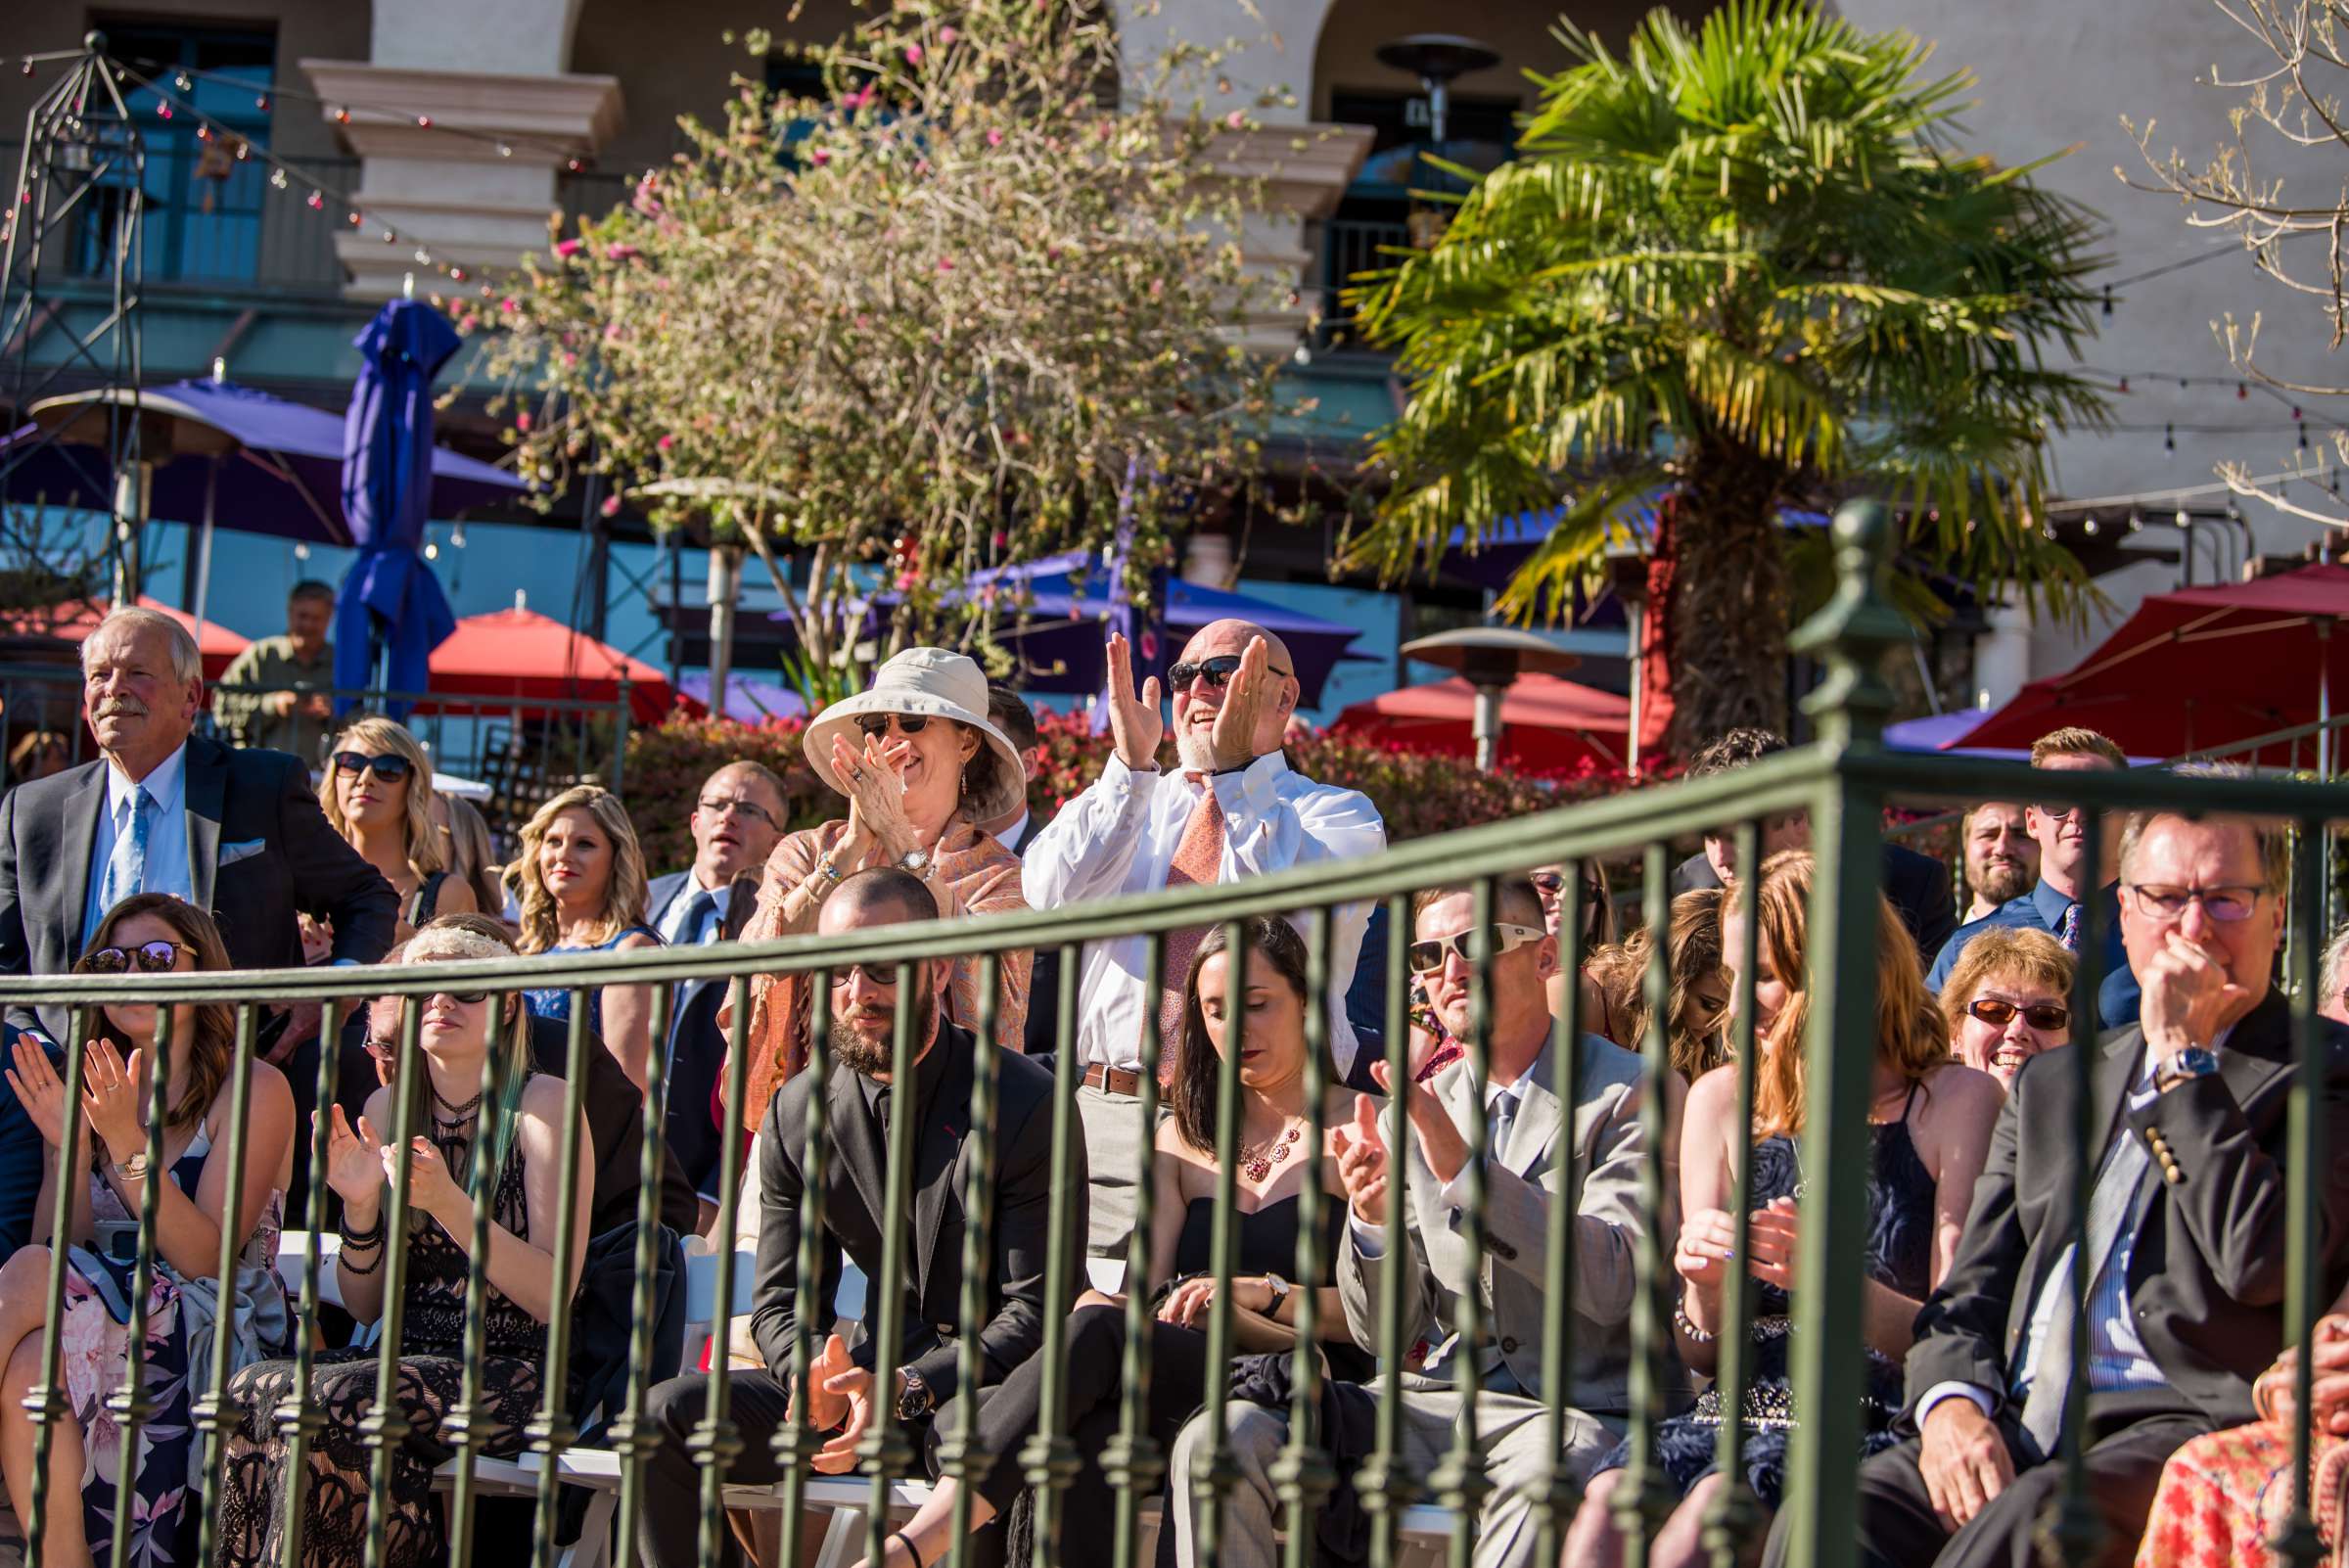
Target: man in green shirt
column 284, row 718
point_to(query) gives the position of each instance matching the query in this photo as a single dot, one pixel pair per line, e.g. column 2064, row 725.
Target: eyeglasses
column 881, row 977
column 750, row 808
column 2225, row 903
column 389, row 766
column 148, row 959
column 1469, row 946
column 1216, row 671
column 878, row 723
column 2046, row 1017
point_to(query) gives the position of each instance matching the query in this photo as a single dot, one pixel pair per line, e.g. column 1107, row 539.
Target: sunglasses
column 878, row 723
column 148, row 959
column 388, row 766
column 2046, row 1017
column 1427, row 955
column 465, row 998
column 883, row 977
column 1216, row 671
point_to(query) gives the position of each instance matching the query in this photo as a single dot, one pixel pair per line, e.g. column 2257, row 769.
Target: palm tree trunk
column 1730, row 602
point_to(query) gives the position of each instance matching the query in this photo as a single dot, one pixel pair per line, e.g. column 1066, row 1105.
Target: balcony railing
column 1843, row 781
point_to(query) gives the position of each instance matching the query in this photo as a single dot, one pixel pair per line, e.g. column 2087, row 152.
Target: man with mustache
column 236, row 833
column 863, row 1110
column 2002, row 858
column 737, row 820
column 2056, row 905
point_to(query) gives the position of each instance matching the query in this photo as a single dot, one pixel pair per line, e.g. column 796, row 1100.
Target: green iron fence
column 1844, row 781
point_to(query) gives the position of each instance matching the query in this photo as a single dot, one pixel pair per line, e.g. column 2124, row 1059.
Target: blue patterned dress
column 554, row 1001
column 1900, row 1257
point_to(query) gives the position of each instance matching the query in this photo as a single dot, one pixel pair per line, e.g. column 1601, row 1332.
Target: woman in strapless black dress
column 1275, row 1161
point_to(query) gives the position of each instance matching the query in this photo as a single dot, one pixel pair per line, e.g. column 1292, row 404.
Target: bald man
column 1230, row 809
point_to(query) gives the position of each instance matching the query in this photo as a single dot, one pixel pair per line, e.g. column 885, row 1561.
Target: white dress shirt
column 169, row 868
column 714, row 913
column 1120, row 836
column 2117, row 1356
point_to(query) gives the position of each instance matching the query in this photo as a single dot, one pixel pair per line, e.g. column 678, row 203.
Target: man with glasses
column 1532, row 1127
column 2057, row 904
column 1232, row 808
column 2183, row 1237
column 736, row 823
column 865, row 1110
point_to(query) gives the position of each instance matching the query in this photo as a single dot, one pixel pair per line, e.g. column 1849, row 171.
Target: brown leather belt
column 1112, row 1080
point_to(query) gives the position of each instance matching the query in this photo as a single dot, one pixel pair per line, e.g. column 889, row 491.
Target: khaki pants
column 1116, row 1148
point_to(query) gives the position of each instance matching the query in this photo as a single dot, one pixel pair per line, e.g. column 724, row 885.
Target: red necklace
column 1258, row 1164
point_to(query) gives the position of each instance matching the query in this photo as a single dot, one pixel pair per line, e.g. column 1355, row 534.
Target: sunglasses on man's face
column 148, row 959
column 389, row 766
column 1216, row 671
column 1427, row 955
column 2045, row 1017
column 878, row 723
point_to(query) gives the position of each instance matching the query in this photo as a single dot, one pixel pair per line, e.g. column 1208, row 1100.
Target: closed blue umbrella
column 392, row 613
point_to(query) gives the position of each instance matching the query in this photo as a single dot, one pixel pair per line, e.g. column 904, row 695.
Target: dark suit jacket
column 697, row 1046
column 49, row 827
column 853, row 1190
column 1042, row 1029
column 21, row 1151
column 1917, row 885
column 2207, row 1273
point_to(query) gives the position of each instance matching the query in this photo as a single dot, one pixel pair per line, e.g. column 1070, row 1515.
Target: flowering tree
column 960, row 310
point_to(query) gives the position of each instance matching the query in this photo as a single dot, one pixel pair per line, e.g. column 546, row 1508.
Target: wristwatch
column 1280, row 1292
column 134, row 1169
column 2195, row 1061
column 915, row 1400
column 916, row 861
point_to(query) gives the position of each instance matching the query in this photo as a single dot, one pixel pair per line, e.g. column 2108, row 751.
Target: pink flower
column 819, row 157
column 616, row 251
column 1237, row 119
column 995, row 138
column 1000, row 539
column 907, row 580
column 509, row 304
column 944, row 265
column 946, row 36
column 611, row 506
column 566, row 248
column 522, row 420
column 666, row 442
column 913, row 53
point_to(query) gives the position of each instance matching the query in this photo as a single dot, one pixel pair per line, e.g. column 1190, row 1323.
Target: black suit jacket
column 21, row 1151
column 854, row 1176
column 697, row 1046
column 2207, row 1273
column 49, row 827
column 1042, row 1029
column 1917, row 885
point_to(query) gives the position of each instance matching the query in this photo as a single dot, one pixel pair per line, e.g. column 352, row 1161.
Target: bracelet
column 344, row 1264
column 1679, row 1320
column 372, row 1236
column 134, row 1169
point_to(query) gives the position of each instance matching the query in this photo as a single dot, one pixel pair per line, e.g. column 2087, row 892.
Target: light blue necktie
column 126, row 867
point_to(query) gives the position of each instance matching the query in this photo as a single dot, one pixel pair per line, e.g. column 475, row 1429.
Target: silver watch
column 1280, row 1289
column 917, row 862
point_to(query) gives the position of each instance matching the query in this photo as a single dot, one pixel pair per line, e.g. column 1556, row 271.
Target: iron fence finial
column 1855, row 629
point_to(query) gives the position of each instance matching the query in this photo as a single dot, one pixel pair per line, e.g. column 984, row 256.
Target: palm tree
column 1744, row 267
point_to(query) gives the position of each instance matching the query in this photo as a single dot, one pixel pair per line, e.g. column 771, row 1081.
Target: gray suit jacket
column 1510, row 1279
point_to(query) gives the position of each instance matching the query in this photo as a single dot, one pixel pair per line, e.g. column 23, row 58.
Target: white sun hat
column 925, row 683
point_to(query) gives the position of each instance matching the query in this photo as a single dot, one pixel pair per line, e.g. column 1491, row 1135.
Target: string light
column 424, row 122
column 317, row 201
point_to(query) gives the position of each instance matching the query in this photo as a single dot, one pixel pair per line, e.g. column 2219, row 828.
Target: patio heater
column 1491, row 658
column 1438, row 59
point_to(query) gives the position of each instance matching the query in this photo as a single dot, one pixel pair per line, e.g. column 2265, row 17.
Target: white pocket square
column 231, row 853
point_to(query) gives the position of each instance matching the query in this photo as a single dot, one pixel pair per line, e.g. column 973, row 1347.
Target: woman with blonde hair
column 377, row 792
column 579, row 881
column 2009, row 1000
column 1930, row 1124
column 922, row 765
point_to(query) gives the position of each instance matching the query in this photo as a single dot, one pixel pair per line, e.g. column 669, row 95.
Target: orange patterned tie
column 1198, row 859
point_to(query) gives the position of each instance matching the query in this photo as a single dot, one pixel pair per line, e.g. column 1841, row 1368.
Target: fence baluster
column 1735, row 1510
column 793, row 1441
column 1304, row 1474
column 1223, row 1239
column 385, row 1426
column 885, row 1449
column 463, row 1425
column 715, row 1444
column 1385, row 1484
column 2075, row 1528
column 1644, row 1499
column 132, row 1407
column 1561, row 1491
column 211, row 1414
column 299, row 1415
column 960, row 1456
column 631, row 1436
column 2297, row 1540
column 1133, row 1464
column 554, row 1431
column 47, row 1401
column 1048, row 1461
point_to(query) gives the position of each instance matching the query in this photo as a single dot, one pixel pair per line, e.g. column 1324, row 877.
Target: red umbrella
column 2198, row 668
column 521, row 654
column 1546, row 722
column 75, row 620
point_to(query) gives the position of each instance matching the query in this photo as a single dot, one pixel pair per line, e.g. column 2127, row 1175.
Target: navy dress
column 1900, row 1257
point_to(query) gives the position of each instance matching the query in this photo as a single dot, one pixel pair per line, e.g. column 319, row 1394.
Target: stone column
column 464, row 118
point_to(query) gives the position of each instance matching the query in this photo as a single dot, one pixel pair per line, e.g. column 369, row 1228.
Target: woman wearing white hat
column 922, row 766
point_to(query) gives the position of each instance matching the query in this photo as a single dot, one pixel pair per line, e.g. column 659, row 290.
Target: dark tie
column 690, row 927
